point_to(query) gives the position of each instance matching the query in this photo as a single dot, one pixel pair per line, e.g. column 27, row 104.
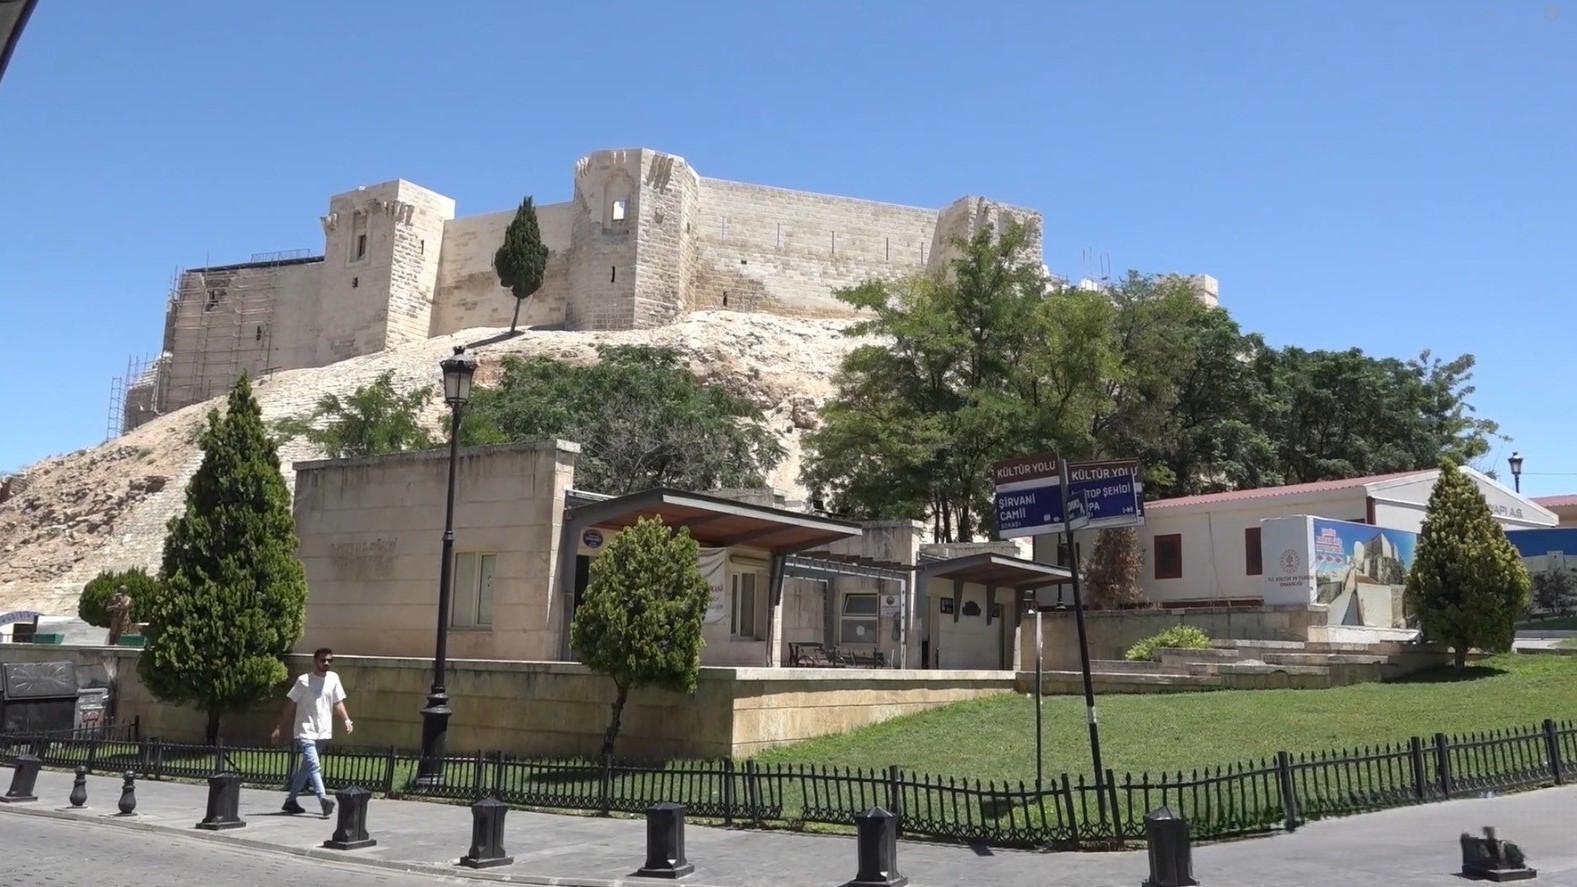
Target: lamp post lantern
column 1516, row 470
column 457, row 371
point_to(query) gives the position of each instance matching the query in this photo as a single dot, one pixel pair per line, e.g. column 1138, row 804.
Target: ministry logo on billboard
column 1290, row 562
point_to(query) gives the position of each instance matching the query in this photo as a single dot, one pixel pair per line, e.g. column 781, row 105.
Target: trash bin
column 92, row 708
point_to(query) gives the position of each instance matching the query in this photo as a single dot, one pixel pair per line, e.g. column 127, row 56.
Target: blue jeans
column 309, row 767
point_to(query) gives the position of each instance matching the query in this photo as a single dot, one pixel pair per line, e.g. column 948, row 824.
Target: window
column 472, row 604
column 616, row 213
column 1253, row 564
column 745, row 587
column 1169, row 556
column 358, row 237
column 858, row 625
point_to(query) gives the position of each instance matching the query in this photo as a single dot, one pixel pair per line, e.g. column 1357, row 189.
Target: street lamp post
column 1516, row 470
column 435, row 716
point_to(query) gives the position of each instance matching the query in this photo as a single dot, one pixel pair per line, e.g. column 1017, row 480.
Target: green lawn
column 994, row 738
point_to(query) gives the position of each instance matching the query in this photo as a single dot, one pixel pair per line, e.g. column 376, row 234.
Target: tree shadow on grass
column 1447, row 674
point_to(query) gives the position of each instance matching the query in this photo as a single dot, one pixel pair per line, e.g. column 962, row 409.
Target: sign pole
column 1039, row 655
column 1084, row 646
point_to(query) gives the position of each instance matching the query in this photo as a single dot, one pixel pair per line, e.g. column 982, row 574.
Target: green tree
column 1467, row 585
column 233, row 591
column 93, row 606
column 374, row 420
column 1553, row 590
column 522, row 258
column 1112, row 577
column 1346, row 414
column 918, row 419
column 639, row 621
column 641, row 417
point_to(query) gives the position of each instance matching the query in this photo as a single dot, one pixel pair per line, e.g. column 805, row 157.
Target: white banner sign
column 714, row 566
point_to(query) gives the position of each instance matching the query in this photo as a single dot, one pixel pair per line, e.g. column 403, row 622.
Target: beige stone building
column 371, row 535
column 788, row 587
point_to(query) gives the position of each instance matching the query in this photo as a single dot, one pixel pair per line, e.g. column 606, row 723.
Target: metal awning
column 826, row 565
column 999, row 570
column 716, row 521
column 13, row 18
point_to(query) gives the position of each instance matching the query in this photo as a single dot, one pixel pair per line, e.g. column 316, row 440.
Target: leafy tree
column 374, row 420
column 641, row 417
column 1112, row 577
column 522, row 258
column 639, row 621
column 93, row 606
column 918, row 420
column 1346, row 414
column 1468, row 584
column 233, row 591
column 1553, row 590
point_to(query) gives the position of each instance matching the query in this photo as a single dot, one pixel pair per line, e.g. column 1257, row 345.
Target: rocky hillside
column 66, row 518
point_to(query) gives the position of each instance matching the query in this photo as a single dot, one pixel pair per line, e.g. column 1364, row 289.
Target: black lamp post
column 435, row 716
column 1516, row 470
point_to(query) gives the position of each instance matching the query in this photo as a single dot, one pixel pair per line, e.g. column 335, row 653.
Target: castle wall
column 770, row 249
column 225, row 320
column 468, row 294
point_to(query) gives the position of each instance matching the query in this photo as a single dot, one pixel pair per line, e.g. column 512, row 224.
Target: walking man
column 311, row 704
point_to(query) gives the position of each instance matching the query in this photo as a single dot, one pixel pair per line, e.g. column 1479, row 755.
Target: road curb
column 323, row 854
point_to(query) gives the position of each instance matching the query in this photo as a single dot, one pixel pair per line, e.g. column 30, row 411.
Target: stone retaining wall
column 561, row 708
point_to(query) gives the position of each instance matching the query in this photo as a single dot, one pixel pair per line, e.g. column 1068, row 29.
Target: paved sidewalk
column 1411, row 846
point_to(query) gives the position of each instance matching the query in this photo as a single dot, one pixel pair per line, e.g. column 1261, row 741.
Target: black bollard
column 79, row 788
column 350, row 832
column 487, row 835
column 665, row 842
column 224, row 801
column 1171, row 857
column 128, row 795
column 23, row 778
column 877, row 840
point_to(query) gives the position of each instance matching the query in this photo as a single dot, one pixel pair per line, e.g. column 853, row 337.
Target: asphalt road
column 40, row 852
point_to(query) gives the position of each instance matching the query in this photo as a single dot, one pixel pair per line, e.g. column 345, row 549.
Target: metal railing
column 1238, row 799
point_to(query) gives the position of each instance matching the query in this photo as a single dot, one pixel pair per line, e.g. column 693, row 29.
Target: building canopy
column 716, row 521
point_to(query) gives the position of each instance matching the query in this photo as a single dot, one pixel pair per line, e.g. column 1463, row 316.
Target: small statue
column 120, row 614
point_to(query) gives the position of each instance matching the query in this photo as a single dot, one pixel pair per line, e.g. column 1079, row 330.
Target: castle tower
column 632, row 250
column 381, row 247
column 962, row 219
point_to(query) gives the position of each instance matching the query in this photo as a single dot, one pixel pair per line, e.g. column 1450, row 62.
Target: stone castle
column 644, row 240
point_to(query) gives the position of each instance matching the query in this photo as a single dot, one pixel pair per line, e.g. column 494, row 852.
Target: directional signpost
column 1033, row 500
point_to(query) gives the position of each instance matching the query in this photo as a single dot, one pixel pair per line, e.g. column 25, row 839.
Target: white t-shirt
column 315, row 698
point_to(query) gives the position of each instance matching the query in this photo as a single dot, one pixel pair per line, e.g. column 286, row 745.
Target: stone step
column 1124, row 666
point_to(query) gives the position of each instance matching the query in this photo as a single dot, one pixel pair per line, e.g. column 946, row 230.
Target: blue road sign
column 1111, row 495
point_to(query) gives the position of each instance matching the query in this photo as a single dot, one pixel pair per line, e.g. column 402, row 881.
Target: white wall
column 1214, row 563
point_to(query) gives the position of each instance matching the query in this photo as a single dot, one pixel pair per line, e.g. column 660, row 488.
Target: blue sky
column 1393, row 176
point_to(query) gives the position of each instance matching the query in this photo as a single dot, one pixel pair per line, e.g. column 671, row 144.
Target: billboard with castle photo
column 1360, row 571
column 1357, row 570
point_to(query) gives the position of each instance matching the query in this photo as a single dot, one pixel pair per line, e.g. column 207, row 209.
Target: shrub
column 93, row 607
column 1184, row 637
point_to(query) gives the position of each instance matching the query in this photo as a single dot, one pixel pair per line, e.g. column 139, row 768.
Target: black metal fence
column 1257, row 796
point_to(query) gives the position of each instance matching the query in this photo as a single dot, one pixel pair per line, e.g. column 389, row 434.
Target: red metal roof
column 1320, row 486
column 1565, row 501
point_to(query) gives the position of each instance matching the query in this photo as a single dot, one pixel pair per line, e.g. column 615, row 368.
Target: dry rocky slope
column 67, row 517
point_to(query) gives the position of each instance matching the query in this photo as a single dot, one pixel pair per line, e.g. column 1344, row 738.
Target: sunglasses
column 328, row 661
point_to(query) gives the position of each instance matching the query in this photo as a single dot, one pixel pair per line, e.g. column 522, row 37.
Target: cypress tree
column 639, row 621
column 1468, row 583
column 233, row 591
column 522, row 258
